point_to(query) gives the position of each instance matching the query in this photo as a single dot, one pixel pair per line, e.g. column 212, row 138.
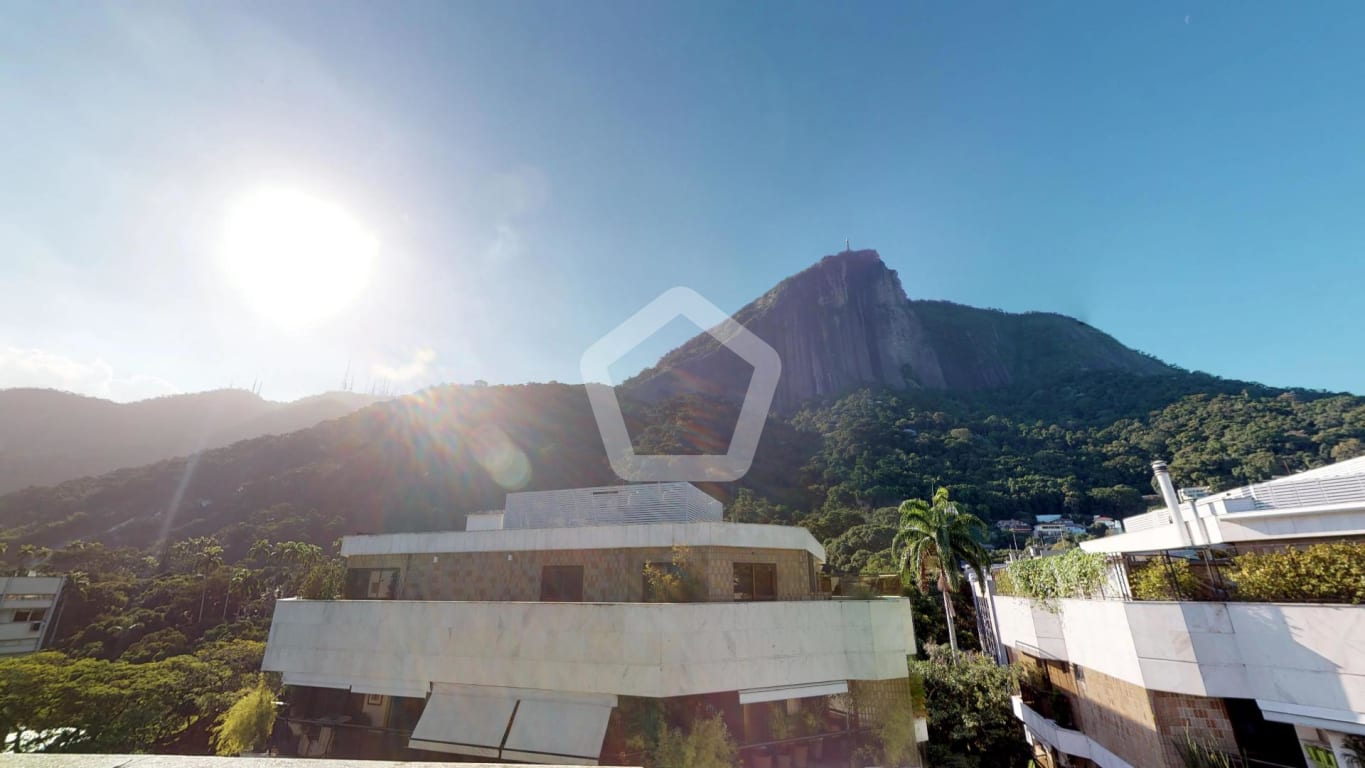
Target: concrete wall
column 1118, row 723
column 612, row 575
column 640, row 649
column 1305, row 659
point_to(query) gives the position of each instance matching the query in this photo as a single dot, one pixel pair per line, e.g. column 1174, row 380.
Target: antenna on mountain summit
column 847, row 248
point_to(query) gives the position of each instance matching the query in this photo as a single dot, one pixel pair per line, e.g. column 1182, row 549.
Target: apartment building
column 27, row 604
column 1117, row 681
column 541, row 632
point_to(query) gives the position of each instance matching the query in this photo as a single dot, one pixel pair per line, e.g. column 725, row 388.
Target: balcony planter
column 784, row 758
column 801, row 755
column 763, row 759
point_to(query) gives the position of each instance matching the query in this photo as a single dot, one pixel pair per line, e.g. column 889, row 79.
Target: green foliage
column 111, row 706
column 971, row 722
column 246, row 725
column 895, row 733
column 1196, row 752
column 706, row 744
column 1331, row 572
column 324, row 581
column 1076, row 574
column 1080, row 446
column 935, row 537
column 1158, row 581
column 748, row 507
column 644, row 721
column 675, row 583
column 842, row 552
column 780, row 724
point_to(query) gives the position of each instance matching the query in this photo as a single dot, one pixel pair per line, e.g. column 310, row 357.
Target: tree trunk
column 202, row 597
column 947, row 611
column 948, row 615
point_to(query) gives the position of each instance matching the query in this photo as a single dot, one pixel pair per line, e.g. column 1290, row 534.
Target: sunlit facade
column 541, row 632
column 1121, row 681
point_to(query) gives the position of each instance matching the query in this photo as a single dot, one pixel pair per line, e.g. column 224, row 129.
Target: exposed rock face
column 847, row 323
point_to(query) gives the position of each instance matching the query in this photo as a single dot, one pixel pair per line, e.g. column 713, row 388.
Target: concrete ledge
column 204, row 761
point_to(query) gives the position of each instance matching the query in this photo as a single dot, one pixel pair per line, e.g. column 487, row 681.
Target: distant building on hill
column 27, row 604
column 1051, row 531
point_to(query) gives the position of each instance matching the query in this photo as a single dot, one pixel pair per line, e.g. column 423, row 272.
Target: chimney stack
column 1163, row 481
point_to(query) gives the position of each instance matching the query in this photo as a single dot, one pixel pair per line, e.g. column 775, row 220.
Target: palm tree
column 935, row 536
column 243, row 581
column 207, row 557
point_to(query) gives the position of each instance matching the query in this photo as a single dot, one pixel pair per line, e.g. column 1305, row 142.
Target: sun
column 297, row 259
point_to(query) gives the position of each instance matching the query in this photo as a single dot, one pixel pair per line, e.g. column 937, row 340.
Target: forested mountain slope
column 48, row 436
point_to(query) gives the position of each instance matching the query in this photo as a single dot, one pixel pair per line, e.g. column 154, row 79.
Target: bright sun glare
column 297, row 259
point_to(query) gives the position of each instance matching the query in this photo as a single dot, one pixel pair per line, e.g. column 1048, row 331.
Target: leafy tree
column 935, row 536
column 706, row 744
column 971, row 722
column 246, row 725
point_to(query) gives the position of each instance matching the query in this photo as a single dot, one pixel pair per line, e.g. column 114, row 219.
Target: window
column 371, row 584
column 29, row 615
column 755, row 581
column 561, row 584
column 30, row 597
column 404, row 713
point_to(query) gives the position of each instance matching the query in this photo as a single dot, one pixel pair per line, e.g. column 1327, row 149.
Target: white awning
column 464, row 720
column 781, row 692
column 519, row 724
column 558, row 728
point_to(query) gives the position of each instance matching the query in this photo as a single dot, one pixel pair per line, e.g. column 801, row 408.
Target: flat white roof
column 740, row 535
column 1319, row 503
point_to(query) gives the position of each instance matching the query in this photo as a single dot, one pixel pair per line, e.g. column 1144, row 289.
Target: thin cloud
column 23, row 367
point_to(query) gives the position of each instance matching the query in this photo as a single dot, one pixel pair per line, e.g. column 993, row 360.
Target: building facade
column 1117, row 681
column 27, row 604
column 541, row 633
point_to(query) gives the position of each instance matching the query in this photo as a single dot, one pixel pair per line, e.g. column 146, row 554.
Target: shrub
column 247, row 723
column 1195, row 752
column 673, row 582
column 1155, row 581
column 707, row 744
column 1076, row 574
column 896, row 735
column 1322, row 573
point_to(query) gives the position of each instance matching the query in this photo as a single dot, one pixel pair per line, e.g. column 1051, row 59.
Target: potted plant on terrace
column 805, row 723
column 780, row 727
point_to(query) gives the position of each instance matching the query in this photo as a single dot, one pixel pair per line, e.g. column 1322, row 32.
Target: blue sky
column 1189, row 177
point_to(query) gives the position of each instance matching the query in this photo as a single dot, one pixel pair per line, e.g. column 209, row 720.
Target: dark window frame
column 357, row 584
column 561, row 584
column 747, row 575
